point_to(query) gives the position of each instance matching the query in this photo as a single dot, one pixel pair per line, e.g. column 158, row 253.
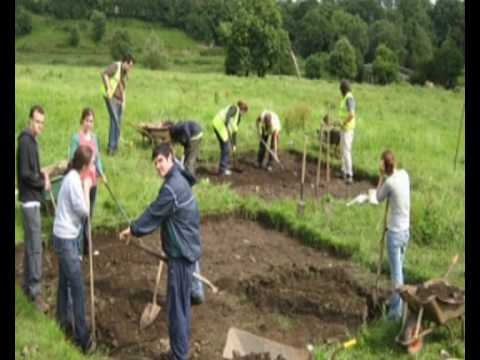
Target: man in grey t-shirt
column 396, row 188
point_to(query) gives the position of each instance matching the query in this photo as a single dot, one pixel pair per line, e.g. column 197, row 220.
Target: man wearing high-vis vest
column 347, row 124
column 114, row 91
column 225, row 124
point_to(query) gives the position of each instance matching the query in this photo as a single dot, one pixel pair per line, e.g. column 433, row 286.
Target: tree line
column 363, row 40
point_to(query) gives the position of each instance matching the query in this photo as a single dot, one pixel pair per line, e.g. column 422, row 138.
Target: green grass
column 48, row 44
column 419, row 125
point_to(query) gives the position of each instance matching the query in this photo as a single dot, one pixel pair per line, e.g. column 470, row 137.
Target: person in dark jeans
column 72, row 209
column 115, row 94
column 268, row 125
column 31, row 182
column 225, row 125
column 176, row 212
column 189, row 134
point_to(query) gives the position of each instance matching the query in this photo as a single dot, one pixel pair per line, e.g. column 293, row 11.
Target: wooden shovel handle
column 304, row 159
column 157, row 281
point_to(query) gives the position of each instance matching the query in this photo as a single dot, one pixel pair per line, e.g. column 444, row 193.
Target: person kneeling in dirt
column 268, row 125
column 189, row 135
column 225, row 124
column 175, row 210
column 395, row 188
column 72, row 209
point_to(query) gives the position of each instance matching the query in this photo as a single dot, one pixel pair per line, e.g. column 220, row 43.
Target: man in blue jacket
column 175, row 210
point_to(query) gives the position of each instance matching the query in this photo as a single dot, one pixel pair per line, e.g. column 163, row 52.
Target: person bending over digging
column 86, row 136
column 225, row 124
column 72, row 210
column 115, row 94
column 394, row 185
column 268, row 125
column 189, row 135
column 175, row 210
column 346, row 114
column 31, row 182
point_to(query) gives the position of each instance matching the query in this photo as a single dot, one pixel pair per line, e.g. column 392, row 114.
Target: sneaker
column 90, row 347
column 269, row 168
column 41, row 304
column 195, row 300
column 226, row 173
column 349, row 180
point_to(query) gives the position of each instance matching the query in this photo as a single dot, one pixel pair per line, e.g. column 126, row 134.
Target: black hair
column 36, row 108
column 128, row 58
column 162, row 149
column 345, row 87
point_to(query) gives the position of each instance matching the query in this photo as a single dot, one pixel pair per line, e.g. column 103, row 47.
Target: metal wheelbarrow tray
column 154, row 132
column 437, row 308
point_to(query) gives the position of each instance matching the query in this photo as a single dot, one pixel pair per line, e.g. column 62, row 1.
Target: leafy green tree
column 385, row 65
column 121, row 44
column 390, row 34
column 154, row 54
column 99, row 25
column 353, row 27
column 316, row 66
column 419, row 45
column 23, row 22
column 342, row 60
column 448, row 18
column 315, row 33
column 447, row 64
column 254, row 37
column 368, row 10
column 73, row 36
column 72, row 9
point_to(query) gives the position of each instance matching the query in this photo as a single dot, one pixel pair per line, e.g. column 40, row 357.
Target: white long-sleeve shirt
column 71, row 207
column 397, row 188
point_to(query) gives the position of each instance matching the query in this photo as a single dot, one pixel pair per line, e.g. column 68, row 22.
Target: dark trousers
column 262, row 149
column 83, row 240
column 192, row 150
column 70, row 289
column 224, row 152
column 179, row 291
column 32, row 258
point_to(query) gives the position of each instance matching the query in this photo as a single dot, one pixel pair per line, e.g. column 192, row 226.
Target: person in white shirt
column 394, row 185
column 268, row 125
column 72, row 210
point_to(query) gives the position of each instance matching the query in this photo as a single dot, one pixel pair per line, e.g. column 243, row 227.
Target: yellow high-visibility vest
column 218, row 123
column 343, row 112
column 113, row 81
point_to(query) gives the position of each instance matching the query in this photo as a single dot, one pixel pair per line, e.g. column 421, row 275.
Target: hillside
column 48, row 44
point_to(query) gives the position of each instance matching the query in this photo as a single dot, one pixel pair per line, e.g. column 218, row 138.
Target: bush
column 23, row 22
column 385, row 65
column 342, row 60
column 121, row 45
column 297, row 117
column 153, row 54
column 73, row 36
column 316, row 66
column 99, row 25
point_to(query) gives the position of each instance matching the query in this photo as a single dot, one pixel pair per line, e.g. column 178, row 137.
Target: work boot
column 90, row 347
column 41, row 305
column 349, row 180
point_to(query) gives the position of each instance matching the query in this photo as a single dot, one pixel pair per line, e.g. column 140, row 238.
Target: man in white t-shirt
column 394, row 185
column 268, row 125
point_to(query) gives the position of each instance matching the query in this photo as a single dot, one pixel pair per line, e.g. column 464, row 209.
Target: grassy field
column 419, row 124
column 48, row 44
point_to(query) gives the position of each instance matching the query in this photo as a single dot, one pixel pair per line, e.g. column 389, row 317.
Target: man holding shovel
column 394, row 185
column 225, row 124
column 268, row 125
column 347, row 121
column 114, row 91
column 175, row 210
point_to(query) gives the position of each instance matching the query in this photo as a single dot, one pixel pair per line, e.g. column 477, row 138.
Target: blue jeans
column 115, row 110
column 70, row 282
column 198, row 295
column 32, row 258
column 397, row 246
column 224, row 152
column 179, row 292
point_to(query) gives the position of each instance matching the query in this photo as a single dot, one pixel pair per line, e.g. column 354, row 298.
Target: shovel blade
column 244, row 343
column 149, row 315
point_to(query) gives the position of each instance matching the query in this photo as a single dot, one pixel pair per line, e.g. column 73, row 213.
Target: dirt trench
column 285, row 183
column 270, row 284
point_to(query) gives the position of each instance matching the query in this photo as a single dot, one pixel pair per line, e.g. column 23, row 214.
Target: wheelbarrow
column 56, row 173
column 153, row 133
column 440, row 308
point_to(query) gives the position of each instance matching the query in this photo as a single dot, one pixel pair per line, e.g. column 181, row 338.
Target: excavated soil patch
column 285, row 183
column 270, row 284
